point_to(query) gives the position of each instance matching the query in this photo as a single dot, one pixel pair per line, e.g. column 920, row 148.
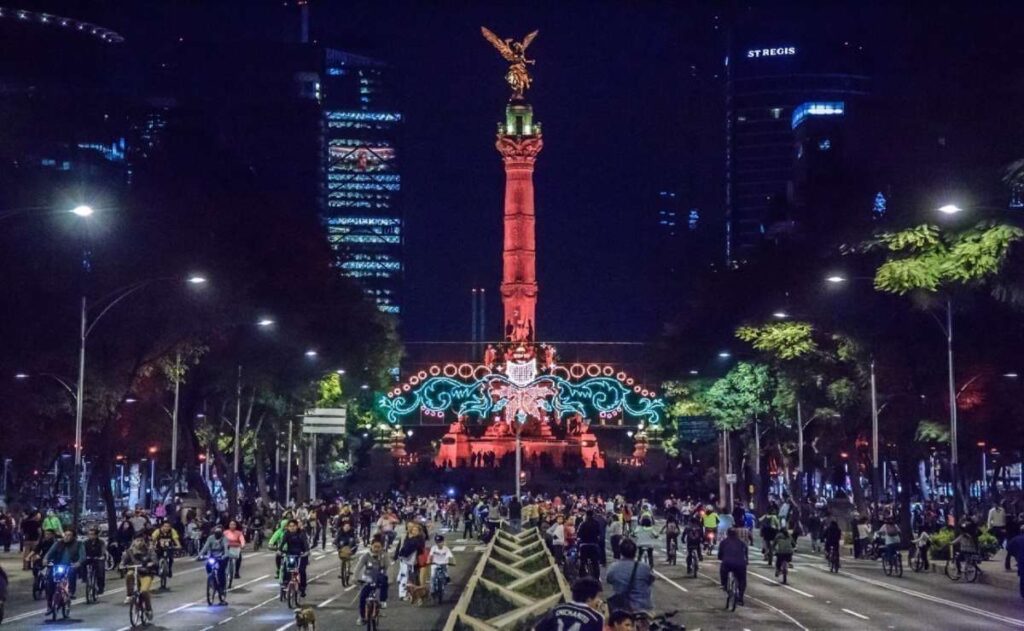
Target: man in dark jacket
column 67, row 552
column 733, row 554
column 1015, row 548
column 589, row 537
column 96, row 556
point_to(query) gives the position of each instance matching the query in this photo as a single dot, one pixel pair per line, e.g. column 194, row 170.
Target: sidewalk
column 993, row 572
column 11, row 562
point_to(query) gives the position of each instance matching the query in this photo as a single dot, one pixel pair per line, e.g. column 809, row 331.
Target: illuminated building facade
column 362, row 187
column 775, row 86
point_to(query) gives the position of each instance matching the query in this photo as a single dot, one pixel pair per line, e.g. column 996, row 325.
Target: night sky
column 627, row 98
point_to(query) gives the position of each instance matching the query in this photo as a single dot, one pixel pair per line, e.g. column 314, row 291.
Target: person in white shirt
column 557, row 534
column 440, row 556
column 997, row 522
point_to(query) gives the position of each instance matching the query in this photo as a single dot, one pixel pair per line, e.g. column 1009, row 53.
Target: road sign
column 324, row 421
column 730, row 478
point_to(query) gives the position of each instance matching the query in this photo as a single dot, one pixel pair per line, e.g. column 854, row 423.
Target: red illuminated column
column 519, row 142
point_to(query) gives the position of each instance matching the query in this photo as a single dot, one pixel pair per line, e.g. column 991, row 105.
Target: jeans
column 616, row 540
column 741, row 576
column 364, row 593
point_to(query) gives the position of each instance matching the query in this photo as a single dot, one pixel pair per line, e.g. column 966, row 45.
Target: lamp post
column 152, row 476
column 85, row 328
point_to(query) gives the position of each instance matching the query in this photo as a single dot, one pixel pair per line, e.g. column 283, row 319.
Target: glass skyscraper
column 362, row 189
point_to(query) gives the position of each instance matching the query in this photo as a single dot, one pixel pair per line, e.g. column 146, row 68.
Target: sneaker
column 361, row 621
column 127, row 600
column 384, row 604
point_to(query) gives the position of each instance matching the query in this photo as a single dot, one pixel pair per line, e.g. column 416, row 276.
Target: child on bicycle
column 141, row 555
column 372, row 571
column 921, row 545
column 783, row 546
column 440, row 556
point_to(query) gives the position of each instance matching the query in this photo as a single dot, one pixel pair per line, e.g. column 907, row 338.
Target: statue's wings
column 496, row 41
column 529, row 38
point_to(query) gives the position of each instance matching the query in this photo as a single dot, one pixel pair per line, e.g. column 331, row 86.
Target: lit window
column 776, row 112
column 816, row 108
column 825, row 144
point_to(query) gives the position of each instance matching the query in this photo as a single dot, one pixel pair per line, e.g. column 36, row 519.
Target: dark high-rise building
column 776, row 87
column 363, row 184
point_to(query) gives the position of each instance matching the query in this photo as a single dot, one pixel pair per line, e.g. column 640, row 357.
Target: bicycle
column 439, row 582
column 783, row 570
column 588, row 565
column 91, row 588
column 345, row 557
column 140, row 613
column 916, row 557
column 732, row 591
column 290, row 589
column 214, row 587
column 163, row 569
column 570, row 564
column 967, row 569
column 661, row 622
column 670, row 551
column 892, row 564
column 371, row 611
column 38, row 582
column 832, row 554
column 61, row 598
column 692, row 561
column 257, row 539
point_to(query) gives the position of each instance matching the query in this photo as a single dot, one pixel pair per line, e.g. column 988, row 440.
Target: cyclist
column 671, row 531
column 693, row 537
column 440, row 556
column 646, row 539
column 346, row 542
column 890, row 534
column 236, row 541
column 922, row 543
column 589, row 536
column 769, row 528
column 216, row 548
column 783, row 546
column 96, row 557
column 193, row 534
column 733, row 555
column 710, row 525
column 372, row 570
column 140, row 554
column 70, row 552
column 968, row 542
column 165, row 541
column 832, row 537
column 295, row 543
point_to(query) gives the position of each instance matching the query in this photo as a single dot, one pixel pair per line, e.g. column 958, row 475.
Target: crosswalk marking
column 458, row 548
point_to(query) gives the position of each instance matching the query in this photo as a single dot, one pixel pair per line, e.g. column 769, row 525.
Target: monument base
column 459, row 449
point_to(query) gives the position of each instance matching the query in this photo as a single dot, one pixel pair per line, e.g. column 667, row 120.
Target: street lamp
column 264, row 322
column 197, row 279
column 780, row 315
column 725, row 355
column 311, row 353
column 86, row 327
column 152, row 475
column 950, row 209
column 340, row 371
column 835, row 279
column 82, row 211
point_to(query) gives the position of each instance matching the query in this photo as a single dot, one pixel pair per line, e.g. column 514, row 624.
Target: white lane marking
column 226, row 620
column 769, row 606
column 670, row 581
column 774, row 582
column 328, row 601
column 854, row 613
column 458, row 548
column 285, row 626
column 1014, row 622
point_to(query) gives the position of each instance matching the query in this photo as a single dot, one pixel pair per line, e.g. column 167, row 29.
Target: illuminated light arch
column 593, row 370
column 621, row 376
column 414, row 380
column 435, row 371
column 547, row 395
column 608, row 371
column 577, row 371
column 422, row 374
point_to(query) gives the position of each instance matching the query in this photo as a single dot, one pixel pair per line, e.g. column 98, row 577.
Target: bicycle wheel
column 90, row 588
column 898, row 570
column 135, row 613
column 951, row 571
column 971, row 571
column 887, row 566
column 292, row 597
column 37, row 589
column 731, row 593
column 108, row 561
column 163, row 573
column 211, row 589
column 53, row 609
column 231, row 572
column 65, row 610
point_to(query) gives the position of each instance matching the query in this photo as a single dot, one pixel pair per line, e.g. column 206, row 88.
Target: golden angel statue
column 515, row 53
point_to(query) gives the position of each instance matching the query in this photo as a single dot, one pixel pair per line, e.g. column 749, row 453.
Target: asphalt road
column 859, row 597
column 252, row 603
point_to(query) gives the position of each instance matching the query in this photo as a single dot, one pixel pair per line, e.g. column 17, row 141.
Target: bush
column 987, row 543
column 940, row 543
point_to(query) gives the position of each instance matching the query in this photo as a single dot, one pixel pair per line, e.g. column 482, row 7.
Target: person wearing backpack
column 630, row 580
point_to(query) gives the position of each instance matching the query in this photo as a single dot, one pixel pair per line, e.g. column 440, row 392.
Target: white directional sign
column 324, row 421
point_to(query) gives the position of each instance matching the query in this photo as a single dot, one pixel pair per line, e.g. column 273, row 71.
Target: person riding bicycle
column 372, row 571
column 671, row 532
column 140, row 554
column 710, row 524
column 769, row 528
column 921, row 544
column 165, row 542
column 832, row 538
column 96, row 558
column 589, row 537
column 646, row 539
column 693, row 537
column 68, row 552
column 346, row 542
column 40, row 550
column 783, row 545
column 216, row 548
column 968, row 542
column 733, row 554
column 440, row 556
column 236, row 541
column 294, row 543
column 890, row 534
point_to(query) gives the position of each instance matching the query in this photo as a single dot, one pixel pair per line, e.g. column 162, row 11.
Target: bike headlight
column 60, row 569
column 211, row 562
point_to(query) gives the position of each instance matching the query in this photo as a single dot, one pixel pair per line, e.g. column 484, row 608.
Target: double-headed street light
column 86, row 326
